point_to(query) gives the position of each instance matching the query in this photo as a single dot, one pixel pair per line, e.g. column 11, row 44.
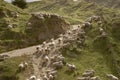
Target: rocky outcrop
column 42, row 26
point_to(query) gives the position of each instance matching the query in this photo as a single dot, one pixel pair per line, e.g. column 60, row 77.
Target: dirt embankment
column 42, row 26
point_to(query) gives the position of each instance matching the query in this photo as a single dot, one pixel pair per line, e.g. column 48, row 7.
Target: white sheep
column 29, row 23
column 71, row 67
column 61, row 35
column 38, row 48
column 44, row 44
column 69, row 32
column 33, row 77
column 57, row 65
column 53, row 73
column 111, row 77
column 47, row 50
column 60, row 41
column 52, row 39
column 52, row 45
column 88, row 73
column 25, row 64
column 53, row 58
column 101, row 29
column 10, row 26
column 87, row 24
column 45, row 77
column 21, row 66
column 46, row 58
column 60, row 58
column 89, row 19
column 51, row 77
column 100, row 23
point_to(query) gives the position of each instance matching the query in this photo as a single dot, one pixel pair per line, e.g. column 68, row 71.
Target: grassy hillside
column 94, row 55
column 9, row 69
column 102, row 55
column 115, row 4
column 73, row 11
column 11, row 36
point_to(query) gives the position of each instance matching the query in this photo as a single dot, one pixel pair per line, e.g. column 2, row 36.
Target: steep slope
column 100, row 54
column 43, row 26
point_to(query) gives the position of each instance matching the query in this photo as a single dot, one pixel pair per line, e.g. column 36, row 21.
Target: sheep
column 57, row 65
column 25, row 64
column 95, row 78
column 61, row 35
column 38, row 48
column 60, row 41
column 38, row 52
column 88, row 73
column 71, row 67
column 45, row 77
column 69, row 32
column 52, row 39
column 57, row 58
column 46, row 58
column 53, row 58
column 86, row 25
column 83, row 78
column 10, row 26
column 111, row 77
column 99, row 23
column 89, row 19
column 61, row 58
column 47, row 50
column 101, row 29
column 32, row 77
column 51, row 77
column 52, row 44
column 96, row 18
column 16, row 16
column 21, row 66
column 45, row 61
column 104, row 34
column 44, row 44
column 53, row 74
column 29, row 23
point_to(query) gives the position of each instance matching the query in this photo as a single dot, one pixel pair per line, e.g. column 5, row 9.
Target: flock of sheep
column 14, row 15
column 48, row 58
column 90, row 75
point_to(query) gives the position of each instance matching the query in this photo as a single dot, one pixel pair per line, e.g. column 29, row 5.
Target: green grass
column 9, row 69
column 15, row 34
column 92, row 56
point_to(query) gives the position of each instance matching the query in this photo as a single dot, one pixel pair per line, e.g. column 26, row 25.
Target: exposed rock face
column 45, row 26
